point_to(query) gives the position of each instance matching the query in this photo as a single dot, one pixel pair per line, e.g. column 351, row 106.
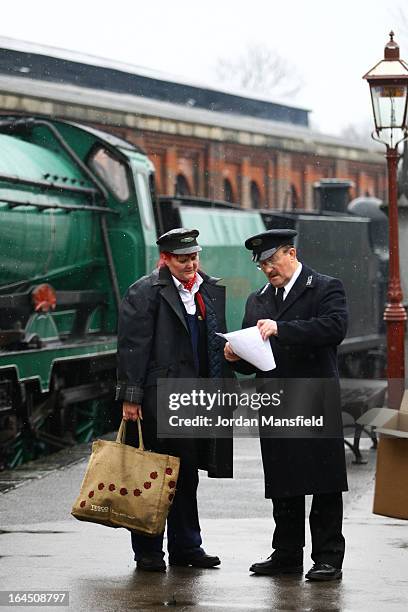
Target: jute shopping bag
column 128, row 487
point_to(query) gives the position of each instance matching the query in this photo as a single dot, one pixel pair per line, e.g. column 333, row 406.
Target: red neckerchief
column 190, row 283
column 200, row 302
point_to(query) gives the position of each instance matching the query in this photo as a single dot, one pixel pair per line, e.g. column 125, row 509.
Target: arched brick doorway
column 255, row 195
column 182, row 187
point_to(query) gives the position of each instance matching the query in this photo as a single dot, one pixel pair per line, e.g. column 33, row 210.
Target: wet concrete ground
column 43, row 548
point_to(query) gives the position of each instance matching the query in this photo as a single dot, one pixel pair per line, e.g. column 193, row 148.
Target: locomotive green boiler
column 77, row 227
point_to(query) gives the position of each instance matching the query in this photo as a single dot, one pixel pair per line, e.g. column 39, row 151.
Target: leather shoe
column 151, row 564
column 274, row 566
column 204, row 561
column 324, row 571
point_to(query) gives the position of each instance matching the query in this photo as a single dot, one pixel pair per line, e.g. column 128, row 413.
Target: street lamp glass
column 389, row 104
column 390, row 111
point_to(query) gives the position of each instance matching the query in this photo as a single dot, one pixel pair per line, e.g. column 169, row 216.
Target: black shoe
column 151, row 564
column 205, row 561
column 273, row 566
column 324, row 571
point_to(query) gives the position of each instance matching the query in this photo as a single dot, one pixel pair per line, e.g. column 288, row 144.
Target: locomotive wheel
column 92, row 420
column 13, row 453
column 26, row 443
column 13, row 442
column 35, row 424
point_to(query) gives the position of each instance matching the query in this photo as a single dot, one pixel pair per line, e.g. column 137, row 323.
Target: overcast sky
column 332, row 44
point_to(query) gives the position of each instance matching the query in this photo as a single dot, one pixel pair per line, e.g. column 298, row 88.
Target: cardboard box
column 391, row 479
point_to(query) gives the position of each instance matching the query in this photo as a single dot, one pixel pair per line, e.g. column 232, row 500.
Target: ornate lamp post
column 388, row 82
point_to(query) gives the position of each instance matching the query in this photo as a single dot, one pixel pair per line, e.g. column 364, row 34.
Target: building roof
column 39, row 62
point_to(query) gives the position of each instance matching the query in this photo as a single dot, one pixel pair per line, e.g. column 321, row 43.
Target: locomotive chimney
column 332, row 195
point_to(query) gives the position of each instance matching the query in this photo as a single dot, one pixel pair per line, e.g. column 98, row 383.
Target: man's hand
column 267, row 328
column 132, row 412
column 229, row 353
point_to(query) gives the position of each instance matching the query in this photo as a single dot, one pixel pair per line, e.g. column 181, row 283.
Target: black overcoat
column 311, row 322
column 154, row 342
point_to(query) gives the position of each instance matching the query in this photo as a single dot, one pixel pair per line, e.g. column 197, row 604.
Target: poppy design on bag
column 169, row 471
column 82, row 504
column 91, row 494
column 112, row 487
column 137, row 492
column 172, row 484
column 153, row 475
column 101, row 486
column 171, row 496
column 147, row 485
column 123, row 491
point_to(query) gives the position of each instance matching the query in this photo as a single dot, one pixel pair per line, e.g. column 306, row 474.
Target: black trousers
column 183, row 527
column 325, row 519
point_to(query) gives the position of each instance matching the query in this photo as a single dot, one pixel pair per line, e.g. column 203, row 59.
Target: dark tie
column 279, row 298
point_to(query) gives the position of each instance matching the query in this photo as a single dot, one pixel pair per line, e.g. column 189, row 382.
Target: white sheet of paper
column 248, row 344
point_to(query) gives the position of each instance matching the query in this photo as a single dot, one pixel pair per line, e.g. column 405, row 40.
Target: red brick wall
column 284, row 179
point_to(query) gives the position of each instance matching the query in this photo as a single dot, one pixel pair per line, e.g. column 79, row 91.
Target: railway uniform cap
column 266, row 244
column 179, row 241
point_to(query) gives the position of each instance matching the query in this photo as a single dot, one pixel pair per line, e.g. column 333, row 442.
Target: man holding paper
column 304, row 316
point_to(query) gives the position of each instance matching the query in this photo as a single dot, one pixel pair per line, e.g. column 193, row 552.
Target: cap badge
column 257, row 242
column 187, row 239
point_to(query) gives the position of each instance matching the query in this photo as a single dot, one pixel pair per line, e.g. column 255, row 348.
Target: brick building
column 202, row 141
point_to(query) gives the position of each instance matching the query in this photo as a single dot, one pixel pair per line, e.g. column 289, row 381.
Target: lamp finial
column 391, row 51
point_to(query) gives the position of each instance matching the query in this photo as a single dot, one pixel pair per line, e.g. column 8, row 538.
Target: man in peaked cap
column 266, row 244
column 304, row 316
column 167, row 325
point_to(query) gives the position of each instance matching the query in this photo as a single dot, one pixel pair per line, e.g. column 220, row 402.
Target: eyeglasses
column 271, row 261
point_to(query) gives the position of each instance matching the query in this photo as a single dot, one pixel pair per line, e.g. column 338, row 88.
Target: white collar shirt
column 187, row 297
column 292, row 281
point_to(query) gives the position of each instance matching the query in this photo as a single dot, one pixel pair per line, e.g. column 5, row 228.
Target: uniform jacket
column 311, row 322
column 154, row 342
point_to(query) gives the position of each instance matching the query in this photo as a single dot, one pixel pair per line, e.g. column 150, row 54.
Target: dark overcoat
column 154, row 342
column 311, row 322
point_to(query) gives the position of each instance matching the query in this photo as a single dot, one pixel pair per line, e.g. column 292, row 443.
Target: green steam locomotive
column 77, row 228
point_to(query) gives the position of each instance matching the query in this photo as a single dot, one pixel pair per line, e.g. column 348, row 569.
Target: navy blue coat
column 154, row 342
column 311, row 322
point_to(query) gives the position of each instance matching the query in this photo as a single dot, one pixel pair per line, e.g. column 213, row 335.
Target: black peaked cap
column 179, row 241
column 266, row 244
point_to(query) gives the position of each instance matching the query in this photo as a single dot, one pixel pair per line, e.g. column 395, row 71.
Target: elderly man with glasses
column 304, row 316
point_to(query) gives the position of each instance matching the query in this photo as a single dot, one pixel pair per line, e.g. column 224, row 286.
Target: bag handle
column 122, row 433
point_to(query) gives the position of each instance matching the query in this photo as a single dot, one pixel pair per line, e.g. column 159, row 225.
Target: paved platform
column 43, row 548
